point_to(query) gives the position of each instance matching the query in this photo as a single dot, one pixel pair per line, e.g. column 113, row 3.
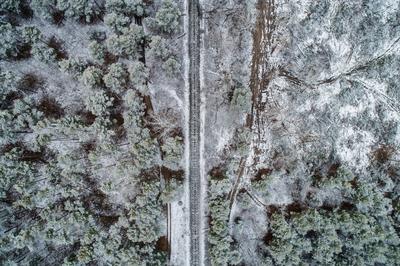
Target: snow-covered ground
column 180, row 231
column 203, row 172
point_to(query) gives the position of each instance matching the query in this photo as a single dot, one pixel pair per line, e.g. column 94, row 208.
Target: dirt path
column 262, row 47
column 259, row 78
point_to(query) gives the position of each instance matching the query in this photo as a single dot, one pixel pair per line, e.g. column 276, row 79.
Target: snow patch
column 354, row 146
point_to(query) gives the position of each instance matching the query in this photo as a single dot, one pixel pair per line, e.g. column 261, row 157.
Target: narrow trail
column 194, row 133
column 260, row 76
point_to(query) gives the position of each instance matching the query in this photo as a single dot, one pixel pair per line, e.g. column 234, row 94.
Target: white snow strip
column 180, row 240
column 203, row 175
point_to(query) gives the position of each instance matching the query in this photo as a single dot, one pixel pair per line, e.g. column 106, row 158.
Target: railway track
column 194, row 132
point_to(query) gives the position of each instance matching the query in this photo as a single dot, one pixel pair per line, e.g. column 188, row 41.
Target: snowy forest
column 299, row 128
column 88, row 163
column 303, row 157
